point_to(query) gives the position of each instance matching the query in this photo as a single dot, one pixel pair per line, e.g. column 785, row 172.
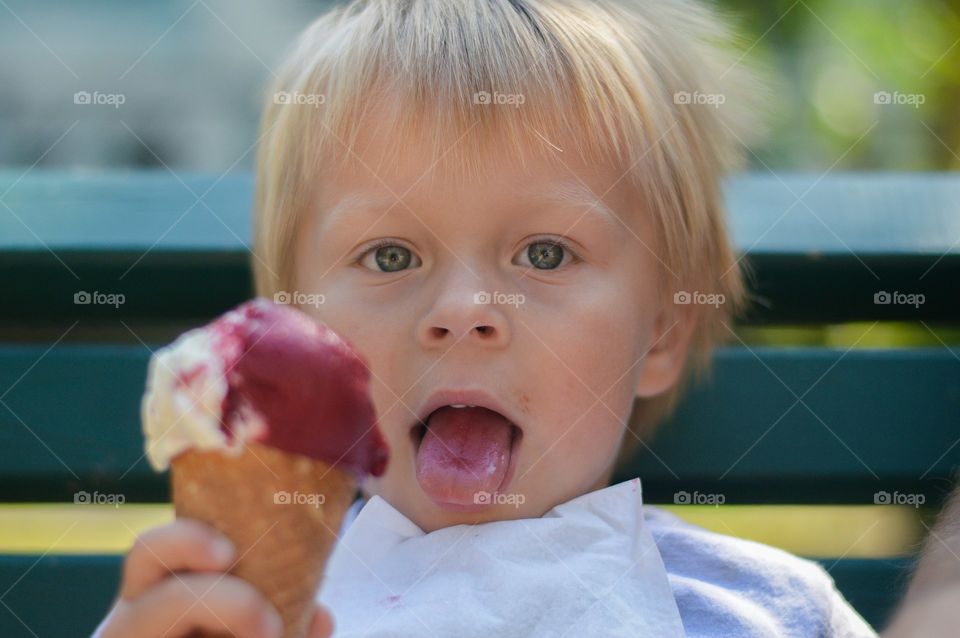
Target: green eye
column 545, row 255
column 388, row 257
column 392, row 258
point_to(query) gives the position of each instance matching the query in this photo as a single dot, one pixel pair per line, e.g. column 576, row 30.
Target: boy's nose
column 464, row 317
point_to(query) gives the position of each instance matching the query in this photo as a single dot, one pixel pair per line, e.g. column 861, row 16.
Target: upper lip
column 465, row 396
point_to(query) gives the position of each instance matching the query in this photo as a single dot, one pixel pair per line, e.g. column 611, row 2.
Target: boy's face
column 569, row 337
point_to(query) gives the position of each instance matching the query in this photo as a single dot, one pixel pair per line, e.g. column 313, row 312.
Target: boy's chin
column 438, row 517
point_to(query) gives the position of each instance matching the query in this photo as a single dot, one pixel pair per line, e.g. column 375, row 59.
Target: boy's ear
column 667, row 351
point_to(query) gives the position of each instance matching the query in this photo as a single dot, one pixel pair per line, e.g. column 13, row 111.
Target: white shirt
column 588, row 567
column 714, row 585
column 721, row 585
column 726, row 586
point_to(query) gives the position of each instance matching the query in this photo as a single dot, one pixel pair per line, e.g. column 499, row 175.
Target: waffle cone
column 267, row 502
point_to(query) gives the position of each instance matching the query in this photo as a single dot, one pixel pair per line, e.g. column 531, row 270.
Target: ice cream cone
column 281, row 510
column 265, row 418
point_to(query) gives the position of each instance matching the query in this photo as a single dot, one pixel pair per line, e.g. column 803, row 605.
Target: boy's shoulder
column 725, row 585
column 697, row 553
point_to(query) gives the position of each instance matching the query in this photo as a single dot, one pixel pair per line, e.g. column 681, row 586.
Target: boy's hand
column 175, row 582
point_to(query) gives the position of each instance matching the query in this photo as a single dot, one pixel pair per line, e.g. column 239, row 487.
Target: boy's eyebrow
column 353, row 202
column 576, row 195
column 343, row 211
column 571, row 194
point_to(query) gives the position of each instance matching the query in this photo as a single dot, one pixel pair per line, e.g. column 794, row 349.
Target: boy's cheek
column 569, row 469
column 573, row 441
column 593, row 437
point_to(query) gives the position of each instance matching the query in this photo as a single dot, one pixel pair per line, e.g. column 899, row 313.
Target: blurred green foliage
column 828, row 59
column 868, row 334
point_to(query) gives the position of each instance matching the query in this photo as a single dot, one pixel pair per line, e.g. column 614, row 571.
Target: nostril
column 438, row 333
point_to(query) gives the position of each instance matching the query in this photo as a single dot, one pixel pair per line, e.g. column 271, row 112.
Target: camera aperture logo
column 302, row 99
column 284, row 497
column 498, row 498
column 698, row 98
column 897, row 298
column 899, row 99
column 298, row 298
column 98, row 498
column 698, row 498
column 899, row 498
column 86, row 98
column 498, row 298
column 715, row 299
column 499, row 99
column 97, row 298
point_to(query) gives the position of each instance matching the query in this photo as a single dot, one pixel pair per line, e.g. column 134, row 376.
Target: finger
column 207, row 602
column 322, row 624
column 185, row 544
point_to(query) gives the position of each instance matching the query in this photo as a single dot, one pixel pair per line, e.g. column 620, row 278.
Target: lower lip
column 478, row 507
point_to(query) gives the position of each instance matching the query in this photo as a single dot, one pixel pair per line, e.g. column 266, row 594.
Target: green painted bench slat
column 109, row 211
column 146, row 235
column 87, row 585
column 744, row 434
column 812, row 425
column 56, row 596
column 872, row 586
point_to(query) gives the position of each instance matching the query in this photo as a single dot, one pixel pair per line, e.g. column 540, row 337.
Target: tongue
column 465, row 451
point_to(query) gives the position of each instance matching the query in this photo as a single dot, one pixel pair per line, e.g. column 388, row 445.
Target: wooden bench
column 776, row 425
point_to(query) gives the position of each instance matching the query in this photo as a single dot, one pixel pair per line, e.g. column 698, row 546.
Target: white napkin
column 588, row 567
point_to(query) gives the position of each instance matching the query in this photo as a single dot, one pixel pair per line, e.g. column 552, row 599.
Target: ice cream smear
column 266, row 373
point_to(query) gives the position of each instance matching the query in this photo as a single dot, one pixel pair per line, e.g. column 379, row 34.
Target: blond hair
column 651, row 85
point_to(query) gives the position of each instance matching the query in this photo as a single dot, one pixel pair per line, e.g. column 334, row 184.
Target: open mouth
column 419, row 429
column 465, row 455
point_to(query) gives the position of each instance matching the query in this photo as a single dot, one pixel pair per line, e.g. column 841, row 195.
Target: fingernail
column 222, row 550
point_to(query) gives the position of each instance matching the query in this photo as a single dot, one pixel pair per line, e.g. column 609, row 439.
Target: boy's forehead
column 385, row 145
column 380, row 167
column 378, row 161
column 367, row 183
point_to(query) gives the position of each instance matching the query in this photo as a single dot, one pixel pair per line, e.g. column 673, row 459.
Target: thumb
column 322, row 624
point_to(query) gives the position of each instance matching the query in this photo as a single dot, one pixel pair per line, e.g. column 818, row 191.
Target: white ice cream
column 178, row 416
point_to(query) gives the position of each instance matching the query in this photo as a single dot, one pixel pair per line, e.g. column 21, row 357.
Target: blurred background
column 861, row 85
column 191, row 75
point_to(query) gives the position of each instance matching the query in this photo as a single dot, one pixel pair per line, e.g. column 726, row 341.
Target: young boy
column 496, row 201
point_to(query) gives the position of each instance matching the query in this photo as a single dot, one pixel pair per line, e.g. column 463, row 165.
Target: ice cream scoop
column 265, row 420
column 265, row 373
